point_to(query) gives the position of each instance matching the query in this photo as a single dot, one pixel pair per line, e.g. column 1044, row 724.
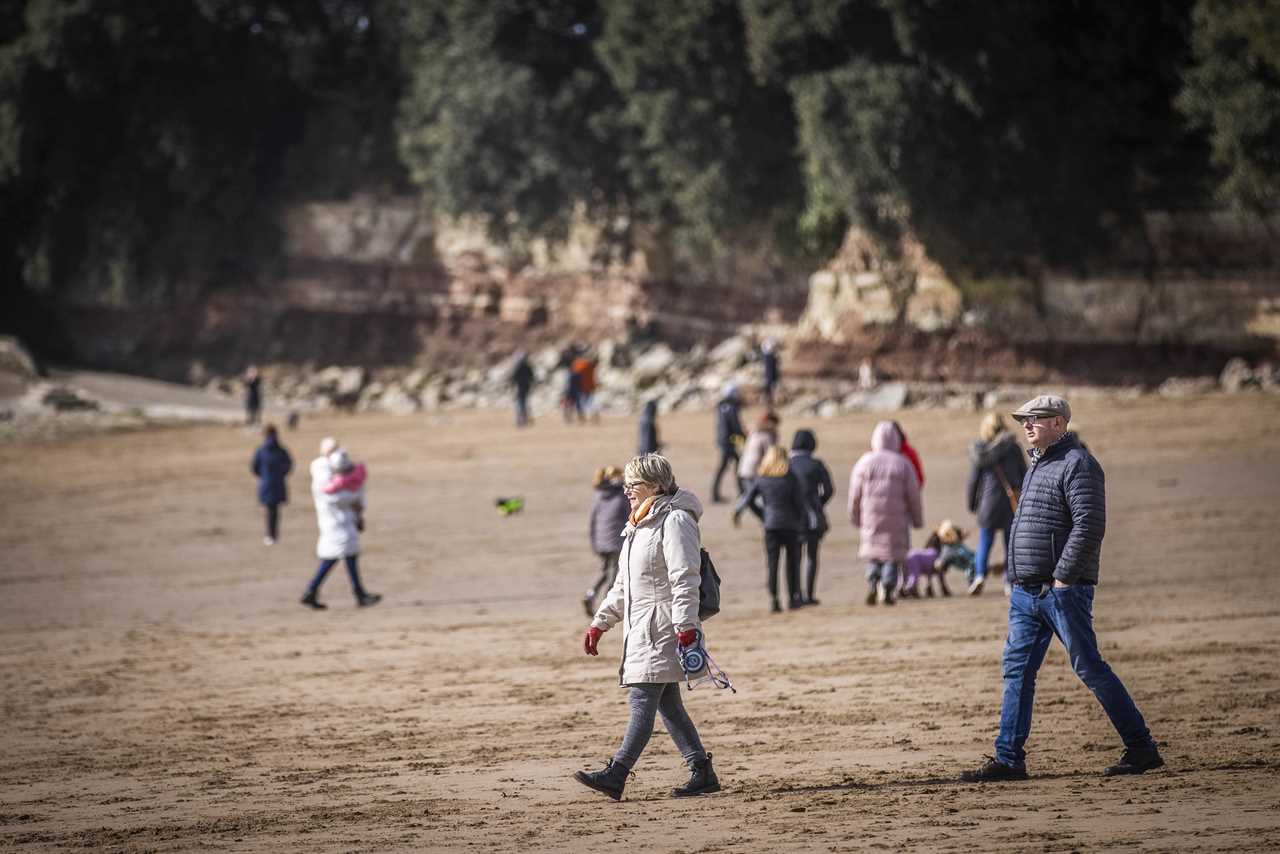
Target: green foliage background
column 146, row 149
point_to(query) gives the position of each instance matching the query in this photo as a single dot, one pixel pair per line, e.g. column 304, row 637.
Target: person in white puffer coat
column 339, row 516
column 655, row 599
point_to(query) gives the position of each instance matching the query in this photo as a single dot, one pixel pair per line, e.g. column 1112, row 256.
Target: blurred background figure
column 815, row 482
column 769, row 359
column 729, row 438
column 996, row 468
column 271, row 464
column 608, row 518
column 649, row 441
column 252, row 395
column 522, row 381
column 885, row 503
column 776, row 495
column 340, row 518
column 584, row 369
column 758, row 441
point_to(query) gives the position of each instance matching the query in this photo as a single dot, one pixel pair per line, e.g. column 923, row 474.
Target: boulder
column 398, row 401
column 889, row 397
column 652, row 365
column 14, row 358
column 731, row 353
column 1186, row 386
column 1237, row 375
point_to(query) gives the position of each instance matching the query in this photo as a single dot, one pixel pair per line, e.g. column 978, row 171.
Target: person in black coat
column 776, row 495
column 996, row 469
column 815, row 481
column 272, row 464
column 729, row 436
column 522, row 379
column 252, row 395
column 769, row 361
column 649, row 442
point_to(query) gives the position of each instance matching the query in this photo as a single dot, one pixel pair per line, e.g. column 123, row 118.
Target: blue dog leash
column 695, row 659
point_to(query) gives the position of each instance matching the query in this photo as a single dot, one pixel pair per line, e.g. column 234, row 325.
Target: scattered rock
column 652, row 366
column 1186, row 386
column 889, row 397
column 14, row 358
column 1237, row 376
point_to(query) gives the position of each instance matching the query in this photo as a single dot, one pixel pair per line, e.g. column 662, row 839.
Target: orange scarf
column 643, row 510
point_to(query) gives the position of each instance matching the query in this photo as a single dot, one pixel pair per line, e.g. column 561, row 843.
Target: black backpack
column 708, row 589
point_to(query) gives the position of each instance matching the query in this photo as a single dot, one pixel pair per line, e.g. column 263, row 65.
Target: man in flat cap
column 1054, row 547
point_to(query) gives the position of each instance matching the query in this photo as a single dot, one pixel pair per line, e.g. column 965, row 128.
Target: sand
column 163, row 690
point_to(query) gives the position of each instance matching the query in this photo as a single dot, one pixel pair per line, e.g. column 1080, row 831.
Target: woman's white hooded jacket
column 656, row 591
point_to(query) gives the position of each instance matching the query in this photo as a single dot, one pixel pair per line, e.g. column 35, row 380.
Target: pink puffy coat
column 884, row 497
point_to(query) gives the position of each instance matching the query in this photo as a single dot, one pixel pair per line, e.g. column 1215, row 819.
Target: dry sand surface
column 163, row 689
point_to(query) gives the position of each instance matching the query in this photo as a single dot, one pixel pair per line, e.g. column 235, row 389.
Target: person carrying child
column 608, row 518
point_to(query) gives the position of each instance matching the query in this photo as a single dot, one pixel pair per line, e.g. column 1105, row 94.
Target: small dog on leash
column 945, row 549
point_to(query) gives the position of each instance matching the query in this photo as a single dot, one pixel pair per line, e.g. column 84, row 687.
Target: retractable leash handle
column 695, row 659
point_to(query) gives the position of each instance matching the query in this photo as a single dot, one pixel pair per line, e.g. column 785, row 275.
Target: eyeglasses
column 634, row 484
column 1035, row 420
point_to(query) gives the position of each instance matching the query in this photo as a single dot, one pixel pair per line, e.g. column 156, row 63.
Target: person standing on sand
column 815, row 478
column 649, row 441
column 609, row 512
column 729, row 435
column 271, row 464
column 252, row 395
column 655, row 598
column 340, row 518
column 1054, row 556
column 769, row 358
column 776, row 495
column 996, row 469
column 884, row 502
column 522, row 379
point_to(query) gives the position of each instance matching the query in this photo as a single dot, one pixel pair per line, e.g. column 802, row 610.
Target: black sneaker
column 367, row 599
column 1136, row 762
column 993, row 772
column 311, row 601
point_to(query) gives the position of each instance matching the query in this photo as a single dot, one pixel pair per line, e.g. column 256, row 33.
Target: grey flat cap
column 1044, row 406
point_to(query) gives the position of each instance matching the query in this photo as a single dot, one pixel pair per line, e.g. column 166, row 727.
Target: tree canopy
column 147, row 148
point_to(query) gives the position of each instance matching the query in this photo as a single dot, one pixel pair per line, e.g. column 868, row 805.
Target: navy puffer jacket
column 1062, row 516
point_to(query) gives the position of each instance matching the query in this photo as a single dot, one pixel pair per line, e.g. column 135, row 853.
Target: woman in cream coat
column 655, row 598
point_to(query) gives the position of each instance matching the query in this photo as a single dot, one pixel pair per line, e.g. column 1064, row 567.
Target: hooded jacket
column 656, row 590
column 986, row 496
column 884, row 497
column 728, row 423
column 272, row 464
column 608, row 518
column 815, row 480
column 1061, row 519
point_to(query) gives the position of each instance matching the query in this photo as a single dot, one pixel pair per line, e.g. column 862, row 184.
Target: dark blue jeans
column 1034, row 618
column 353, row 570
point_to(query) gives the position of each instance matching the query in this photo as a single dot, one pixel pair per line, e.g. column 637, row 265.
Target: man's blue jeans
column 1034, row 618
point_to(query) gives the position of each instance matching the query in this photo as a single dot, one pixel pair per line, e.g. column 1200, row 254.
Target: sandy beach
column 163, row 690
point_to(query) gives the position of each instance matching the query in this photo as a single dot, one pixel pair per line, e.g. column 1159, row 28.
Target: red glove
column 687, row 637
column 591, row 640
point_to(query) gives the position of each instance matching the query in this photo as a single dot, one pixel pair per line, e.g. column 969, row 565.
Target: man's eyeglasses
column 1035, row 420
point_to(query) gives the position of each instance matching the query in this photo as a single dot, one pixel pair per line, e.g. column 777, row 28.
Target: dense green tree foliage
column 146, row 148
column 1234, row 91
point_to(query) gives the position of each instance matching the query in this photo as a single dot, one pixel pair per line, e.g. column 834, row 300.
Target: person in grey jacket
column 1054, row 551
column 996, row 469
column 608, row 518
column 776, row 495
column 815, row 482
column 655, row 600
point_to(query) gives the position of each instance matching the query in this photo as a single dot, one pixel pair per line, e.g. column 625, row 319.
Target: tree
column 1233, row 92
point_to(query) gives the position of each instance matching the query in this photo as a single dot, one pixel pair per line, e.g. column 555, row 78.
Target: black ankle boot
column 702, row 780
column 610, row 780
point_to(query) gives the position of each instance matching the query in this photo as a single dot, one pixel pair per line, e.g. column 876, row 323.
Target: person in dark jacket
column 776, row 495
column 608, row 517
column 522, row 379
column 996, row 469
column 649, row 442
column 1054, row 550
column 272, row 464
column 815, row 482
column 769, row 361
column 252, row 395
column 729, row 436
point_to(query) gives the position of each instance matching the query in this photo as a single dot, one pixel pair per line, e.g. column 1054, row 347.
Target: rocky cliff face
column 374, row 282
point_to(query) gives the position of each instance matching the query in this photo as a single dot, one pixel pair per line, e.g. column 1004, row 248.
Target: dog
column 945, row 549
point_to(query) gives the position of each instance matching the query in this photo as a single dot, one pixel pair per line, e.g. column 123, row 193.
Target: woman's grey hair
column 654, row 469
